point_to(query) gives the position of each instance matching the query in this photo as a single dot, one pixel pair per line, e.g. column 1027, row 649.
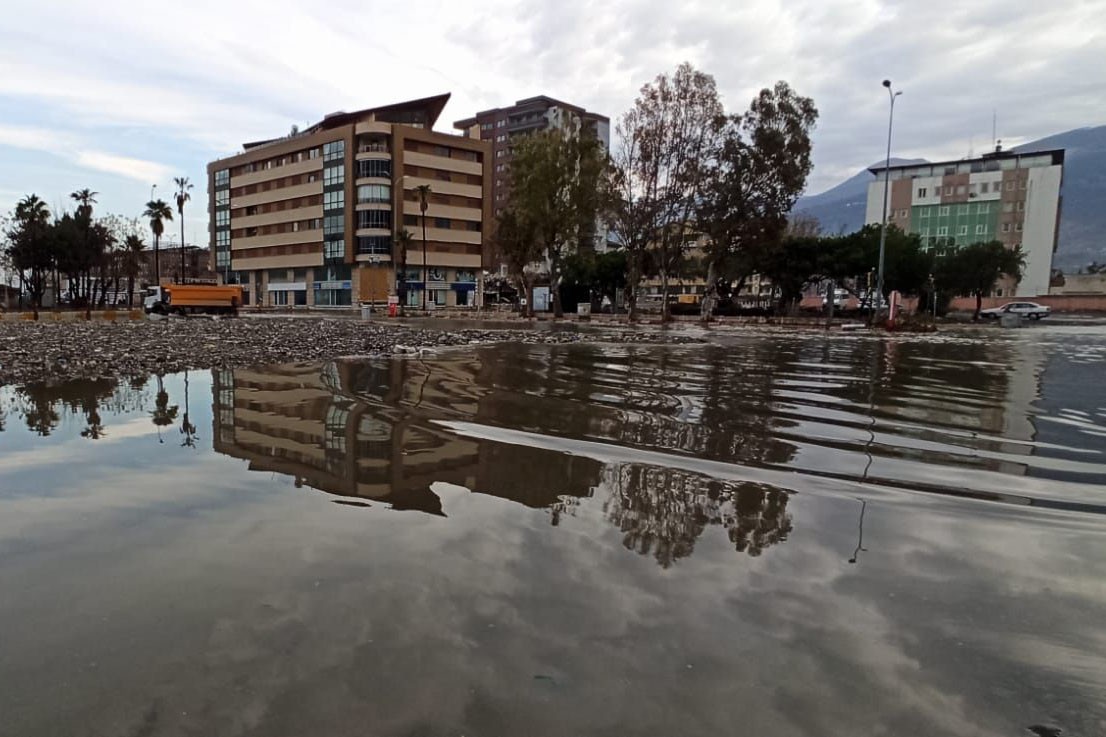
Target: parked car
column 839, row 297
column 1032, row 310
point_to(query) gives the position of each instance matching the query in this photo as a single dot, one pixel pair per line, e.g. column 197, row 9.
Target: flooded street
column 769, row 534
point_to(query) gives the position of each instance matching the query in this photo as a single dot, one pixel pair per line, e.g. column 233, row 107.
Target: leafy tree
column 660, row 173
column 974, row 269
column 515, row 238
column 132, row 263
column 31, row 248
column 610, row 274
column 158, row 212
column 758, row 170
column 183, row 185
column 555, row 177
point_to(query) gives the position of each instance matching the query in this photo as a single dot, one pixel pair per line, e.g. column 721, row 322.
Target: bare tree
column 514, row 237
column 672, row 129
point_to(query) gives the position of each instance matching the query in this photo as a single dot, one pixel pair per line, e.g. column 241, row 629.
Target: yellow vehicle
column 187, row 299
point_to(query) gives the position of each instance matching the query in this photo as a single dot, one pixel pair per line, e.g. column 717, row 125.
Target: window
column 374, row 244
column 374, row 219
column 973, row 188
column 474, row 226
column 1021, row 184
column 500, row 123
column 1017, row 227
column 312, row 178
column 904, row 213
column 983, row 208
column 222, row 218
column 437, row 296
column 921, row 191
column 943, row 230
column 945, row 210
column 222, row 178
column 1020, row 206
column 1009, row 186
column 374, row 193
column 924, row 213
column 981, row 230
column 334, row 249
column 962, row 230
column 222, row 239
column 334, row 225
column 961, row 189
column 334, row 151
column 500, row 153
column 335, row 200
column 333, row 176
column 500, row 138
column 441, row 151
column 374, row 168
column 925, row 232
column 445, row 223
column 963, row 209
column 948, row 190
column 984, row 188
column 410, row 219
column 1006, row 227
column 1007, row 206
column 313, row 153
column 222, row 259
column 485, row 126
column 222, row 197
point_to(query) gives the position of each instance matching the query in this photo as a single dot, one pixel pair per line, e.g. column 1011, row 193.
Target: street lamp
column 424, row 191
column 886, row 189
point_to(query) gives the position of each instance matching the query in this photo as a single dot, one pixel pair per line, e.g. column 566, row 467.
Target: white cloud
column 124, row 166
column 223, row 73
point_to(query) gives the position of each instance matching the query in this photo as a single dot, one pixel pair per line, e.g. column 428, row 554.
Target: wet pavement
column 773, row 534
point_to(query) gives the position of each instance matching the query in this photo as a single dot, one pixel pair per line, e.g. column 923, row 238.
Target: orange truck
column 189, row 299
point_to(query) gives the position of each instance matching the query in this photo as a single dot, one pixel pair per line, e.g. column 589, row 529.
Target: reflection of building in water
column 354, row 430
column 364, row 431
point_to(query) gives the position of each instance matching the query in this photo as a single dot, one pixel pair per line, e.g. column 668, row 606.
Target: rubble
column 47, row 350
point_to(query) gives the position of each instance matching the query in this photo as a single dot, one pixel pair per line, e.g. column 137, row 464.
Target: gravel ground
column 38, row 351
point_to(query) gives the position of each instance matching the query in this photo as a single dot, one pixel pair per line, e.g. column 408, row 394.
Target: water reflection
column 565, row 540
column 363, row 431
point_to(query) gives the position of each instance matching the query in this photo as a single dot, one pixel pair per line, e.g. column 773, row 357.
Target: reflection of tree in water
column 42, row 405
column 187, row 429
column 163, row 415
column 663, row 511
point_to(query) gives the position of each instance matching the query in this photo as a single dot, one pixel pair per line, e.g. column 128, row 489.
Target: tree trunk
column 633, row 277
column 710, row 296
column 664, row 292
column 978, row 306
column 555, row 288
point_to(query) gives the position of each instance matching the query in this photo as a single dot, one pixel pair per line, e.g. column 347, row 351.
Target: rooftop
column 537, row 102
column 431, row 107
column 1056, row 157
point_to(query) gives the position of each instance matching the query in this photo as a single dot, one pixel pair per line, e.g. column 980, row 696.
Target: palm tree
column 183, row 185
column 402, row 242
column 30, row 248
column 424, row 195
column 158, row 212
column 87, row 198
column 132, row 263
column 163, row 415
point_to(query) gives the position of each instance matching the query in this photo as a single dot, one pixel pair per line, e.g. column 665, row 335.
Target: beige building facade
column 311, row 219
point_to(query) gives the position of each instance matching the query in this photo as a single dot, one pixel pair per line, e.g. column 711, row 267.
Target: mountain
column 1082, row 215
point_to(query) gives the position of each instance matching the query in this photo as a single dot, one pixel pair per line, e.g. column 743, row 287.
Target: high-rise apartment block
column 1005, row 196
column 501, row 126
column 311, row 218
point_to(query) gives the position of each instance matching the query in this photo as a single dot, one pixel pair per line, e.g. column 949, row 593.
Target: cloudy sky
column 118, row 95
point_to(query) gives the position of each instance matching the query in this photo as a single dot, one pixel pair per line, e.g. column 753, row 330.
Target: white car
column 1032, row 310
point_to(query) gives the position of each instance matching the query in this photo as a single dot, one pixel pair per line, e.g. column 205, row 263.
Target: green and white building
column 1005, row 196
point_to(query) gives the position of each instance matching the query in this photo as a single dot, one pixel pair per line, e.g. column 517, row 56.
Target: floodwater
column 766, row 535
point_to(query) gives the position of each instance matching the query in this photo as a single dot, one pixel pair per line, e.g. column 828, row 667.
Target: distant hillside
column 1083, row 215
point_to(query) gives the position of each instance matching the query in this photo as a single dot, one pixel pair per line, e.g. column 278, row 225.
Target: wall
column 1039, row 235
column 1081, row 284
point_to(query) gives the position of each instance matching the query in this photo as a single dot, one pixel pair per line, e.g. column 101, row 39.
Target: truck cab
column 156, row 301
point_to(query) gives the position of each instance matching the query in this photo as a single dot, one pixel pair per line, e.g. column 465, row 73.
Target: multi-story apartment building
column 311, row 218
column 501, row 126
column 1005, row 196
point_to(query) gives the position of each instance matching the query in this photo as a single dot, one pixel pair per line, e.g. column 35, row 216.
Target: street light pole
column 423, row 190
column 886, row 190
